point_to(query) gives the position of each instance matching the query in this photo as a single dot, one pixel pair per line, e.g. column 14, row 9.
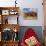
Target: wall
column 7, row 3
column 32, row 4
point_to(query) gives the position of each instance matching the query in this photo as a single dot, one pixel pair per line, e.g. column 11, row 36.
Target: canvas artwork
column 30, row 14
column 12, row 12
column 5, row 12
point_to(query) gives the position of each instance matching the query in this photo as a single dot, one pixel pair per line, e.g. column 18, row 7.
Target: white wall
column 33, row 4
column 7, row 3
column 30, row 4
